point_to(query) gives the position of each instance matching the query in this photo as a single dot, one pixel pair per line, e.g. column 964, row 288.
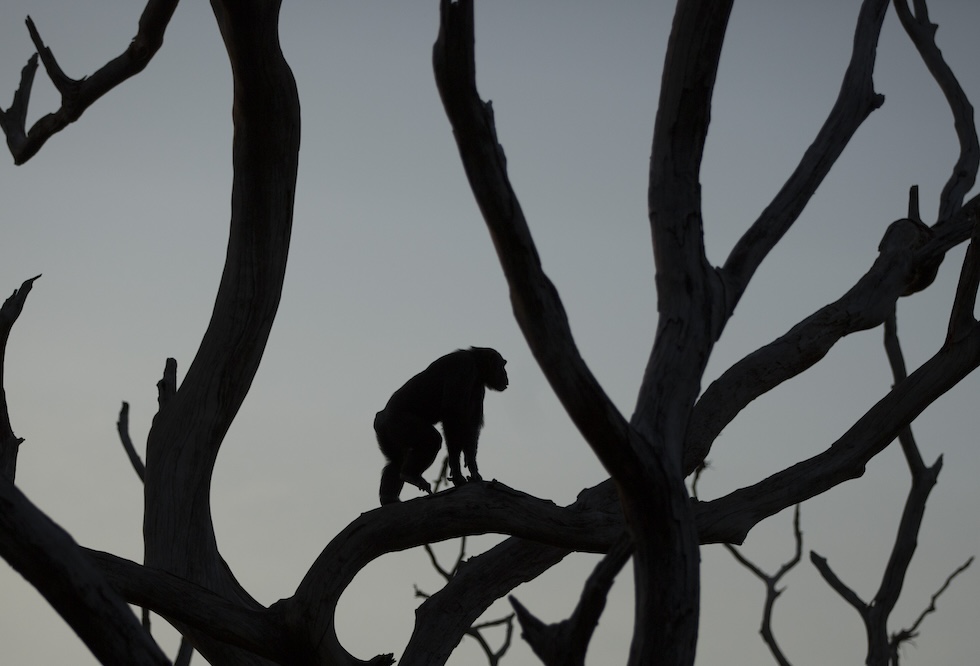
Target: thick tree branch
column 251, row 627
column 689, row 295
column 729, row 518
column 476, row 631
column 908, row 257
column 188, row 431
column 443, row 619
column 476, row 508
column 535, row 301
column 565, row 643
column 78, row 95
column 51, row 561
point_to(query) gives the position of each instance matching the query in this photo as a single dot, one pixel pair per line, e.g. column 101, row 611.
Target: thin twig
column 913, row 631
column 772, row 592
column 122, row 427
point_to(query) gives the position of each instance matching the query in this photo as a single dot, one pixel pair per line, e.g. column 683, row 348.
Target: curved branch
column 78, row 95
column 476, row 508
column 122, row 427
column 187, row 432
column 535, row 301
column 9, row 443
column 908, row 634
column 922, row 33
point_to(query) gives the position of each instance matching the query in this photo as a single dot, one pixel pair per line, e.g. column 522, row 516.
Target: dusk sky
column 125, row 215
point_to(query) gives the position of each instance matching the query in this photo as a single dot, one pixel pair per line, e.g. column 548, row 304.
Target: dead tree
column 643, row 509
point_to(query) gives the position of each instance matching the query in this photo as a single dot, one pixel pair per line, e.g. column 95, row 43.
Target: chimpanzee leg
column 425, row 445
column 391, row 484
column 411, row 445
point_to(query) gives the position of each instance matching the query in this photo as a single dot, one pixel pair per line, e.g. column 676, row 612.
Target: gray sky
column 126, row 213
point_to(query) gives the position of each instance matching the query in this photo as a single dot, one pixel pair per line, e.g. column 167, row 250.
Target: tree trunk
column 187, row 433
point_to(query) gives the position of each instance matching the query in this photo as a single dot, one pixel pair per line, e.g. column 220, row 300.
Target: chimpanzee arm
column 462, row 416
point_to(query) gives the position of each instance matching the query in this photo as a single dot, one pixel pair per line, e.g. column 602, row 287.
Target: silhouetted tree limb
column 476, row 631
column 565, row 643
column 52, row 562
column 646, row 456
column 122, row 427
column 810, row 340
column 772, row 592
column 856, row 100
column 908, row 634
column 729, row 518
column 536, row 303
column 923, row 35
column 906, row 254
column 79, row 94
column 9, row 443
column 882, row 648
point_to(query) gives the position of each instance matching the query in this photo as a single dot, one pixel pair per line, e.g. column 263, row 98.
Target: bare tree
column 643, row 510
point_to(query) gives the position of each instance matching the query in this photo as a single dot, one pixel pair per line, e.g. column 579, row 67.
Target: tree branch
column 908, row 257
column 78, row 95
column 9, row 443
column 52, row 562
column 187, row 433
column 855, row 102
column 122, row 427
column 251, row 627
column 729, row 518
column 565, row 643
column 772, row 592
column 922, row 33
column 908, row 634
column 537, row 307
column 849, row 595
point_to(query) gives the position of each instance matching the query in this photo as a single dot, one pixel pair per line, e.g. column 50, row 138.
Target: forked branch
column 78, row 94
column 922, row 32
column 771, row 581
column 565, row 643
